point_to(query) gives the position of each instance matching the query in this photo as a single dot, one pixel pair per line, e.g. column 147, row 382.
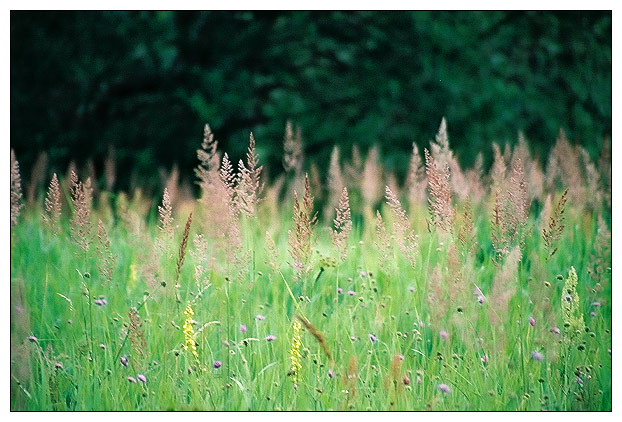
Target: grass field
column 451, row 290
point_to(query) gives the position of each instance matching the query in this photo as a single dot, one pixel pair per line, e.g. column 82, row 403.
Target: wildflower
column 535, row 355
column 33, row 339
column 406, row 380
column 532, row 321
column 131, row 379
column 260, row 318
column 189, row 332
column 484, row 359
column 217, row 364
column 101, row 301
column 124, row 361
column 294, row 351
column 59, row 365
column 353, row 338
column 373, row 338
column 102, row 346
column 579, row 381
column 339, row 290
column 444, row 335
column 331, row 374
column 444, row 388
column 481, row 299
column 419, row 381
column 363, row 274
column 400, row 357
column 555, row 330
column 351, row 292
column 270, row 337
column 242, row 328
column 596, row 304
column 142, row 378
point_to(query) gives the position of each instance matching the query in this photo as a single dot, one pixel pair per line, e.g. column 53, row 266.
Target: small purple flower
column 59, row 365
column 419, row 381
column 270, row 337
column 555, row 330
column 124, row 361
column 339, row 290
column 596, row 304
column 579, row 381
column 406, row 380
column 481, row 299
column 102, row 346
column 535, row 355
column 411, row 289
column 217, row 364
column 592, row 314
column 477, row 291
column 331, row 374
column 444, row 388
column 100, row 302
column 353, row 338
column 363, row 274
column 532, row 321
column 260, row 318
column 351, row 292
column 32, row 338
column 568, row 298
column 373, row 338
column 142, row 378
column 131, row 379
column 444, row 335
column 242, row 328
column 400, row 357
column 484, row 359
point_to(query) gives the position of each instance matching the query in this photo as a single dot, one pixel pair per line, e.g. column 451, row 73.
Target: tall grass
column 459, row 290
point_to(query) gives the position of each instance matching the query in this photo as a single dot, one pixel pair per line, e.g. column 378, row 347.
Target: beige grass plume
column 51, row 216
column 16, row 190
column 342, row 225
column 302, row 231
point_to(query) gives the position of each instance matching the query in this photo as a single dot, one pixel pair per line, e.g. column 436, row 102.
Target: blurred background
column 140, row 86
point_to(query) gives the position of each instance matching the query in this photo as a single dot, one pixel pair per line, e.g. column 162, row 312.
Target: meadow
column 453, row 289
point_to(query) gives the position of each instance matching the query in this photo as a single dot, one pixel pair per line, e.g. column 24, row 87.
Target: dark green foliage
column 147, row 82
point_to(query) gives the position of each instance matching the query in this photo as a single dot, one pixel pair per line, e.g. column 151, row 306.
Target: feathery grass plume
column 571, row 309
column 600, row 257
column 504, row 286
column 444, row 158
column 110, row 171
column 563, row 168
column 383, row 244
column 208, row 157
column 37, row 175
column 343, row 226
column 165, row 211
column 230, row 180
column 292, row 146
column 317, row 334
column 533, row 171
column 498, row 173
column 182, row 247
column 439, row 202
column 354, row 168
column 81, row 197
column 416, row 179
column 592, row 181
column 137, row 336
column 371, row 179
column 466, row 232
column 189, row 342
column 273, row 258
column 300, row 237
column 51, row 217
column 106, row 259
column 250, row 186
column 294, row 352
column 16, row 190
column 553, row 233
column 335, row 183
column 519, row 204
column 404, row 234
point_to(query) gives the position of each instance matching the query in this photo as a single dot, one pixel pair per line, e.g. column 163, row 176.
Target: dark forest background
column 146, row 83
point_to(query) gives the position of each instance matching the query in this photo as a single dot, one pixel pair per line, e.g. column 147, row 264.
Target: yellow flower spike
column 190, row 344
column 294, row 351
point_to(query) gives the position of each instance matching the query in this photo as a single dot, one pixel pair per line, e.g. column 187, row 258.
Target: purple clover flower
column 101, row 301
column 131, row 379
column 351, row 292
column 532, row 321
column 555, row 330
column 32, row 338
column 406, row 380
column 444, row 335
column 243, row 328
column 535, row 355
column 596, row 304
column 124, row 361
column 142, row 378
column 260, row 317
column 373, row 338
column 481, row 299
column 444, row 388
column 331, row 374
column 339, row 290
column 217, row 364
column 484, row 359
column 270, row 337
